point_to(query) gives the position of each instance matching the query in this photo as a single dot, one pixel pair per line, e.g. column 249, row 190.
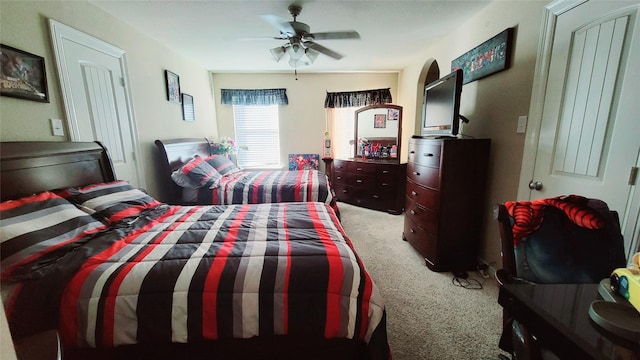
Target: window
column 343, row 130
column 257, row 132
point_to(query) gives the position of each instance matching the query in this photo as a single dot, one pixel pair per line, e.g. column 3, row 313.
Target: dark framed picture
column 379, row 121
column 393, row 114
column 173, row 86
column 487, row 58
column 188, row 111
column 22, row 75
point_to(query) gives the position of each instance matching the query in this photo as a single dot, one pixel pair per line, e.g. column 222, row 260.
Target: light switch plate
column 522, row 125
column 56, row 127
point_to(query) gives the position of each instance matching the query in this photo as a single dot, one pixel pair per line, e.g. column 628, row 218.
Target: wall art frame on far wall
column 393, row 114
column 172, row 81
column 488, row 58
column 188, row 110
column 22, row 75
column 379, row 121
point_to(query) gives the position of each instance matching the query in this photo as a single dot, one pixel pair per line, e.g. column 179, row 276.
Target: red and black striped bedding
column 269, row 186
column 187, row 274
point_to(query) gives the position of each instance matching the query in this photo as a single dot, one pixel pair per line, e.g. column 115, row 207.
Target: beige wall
column 494, row 103
column 24, row 25
column 302, row 122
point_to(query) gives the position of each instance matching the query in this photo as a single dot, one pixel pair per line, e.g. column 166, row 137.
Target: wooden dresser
column 445, row 194
column 374, row 184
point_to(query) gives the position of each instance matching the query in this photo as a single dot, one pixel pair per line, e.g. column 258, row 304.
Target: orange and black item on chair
column 564, row 239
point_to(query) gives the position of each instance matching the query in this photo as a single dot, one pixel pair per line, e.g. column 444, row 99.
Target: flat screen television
column 441, row 106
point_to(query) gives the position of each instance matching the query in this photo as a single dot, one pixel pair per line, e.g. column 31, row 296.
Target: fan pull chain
column 295, row 72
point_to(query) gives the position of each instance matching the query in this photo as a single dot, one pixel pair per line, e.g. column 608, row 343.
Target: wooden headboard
column 174, row 153
column 29, row 167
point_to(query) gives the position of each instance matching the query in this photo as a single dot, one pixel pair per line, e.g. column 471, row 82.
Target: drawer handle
column 359, row 181
column 413, row 231
column 358, row 169
column 385, row 171
column 413, row 212
column 416, row 173
column 412, row 152
column 339, row 177
column 384, row 184
column 414, row 193
column 375, row 196
column 428, row 154
column 344, row 191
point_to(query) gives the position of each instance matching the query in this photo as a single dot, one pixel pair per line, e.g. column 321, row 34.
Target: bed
column 236, row 186
column 121, row 275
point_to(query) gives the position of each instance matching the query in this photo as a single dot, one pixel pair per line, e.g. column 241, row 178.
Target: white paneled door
column 95, row 91
column 589, row 140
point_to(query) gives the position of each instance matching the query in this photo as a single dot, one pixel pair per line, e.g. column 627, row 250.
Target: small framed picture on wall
column 188, row 111
column 379, row 121
column 173, row 86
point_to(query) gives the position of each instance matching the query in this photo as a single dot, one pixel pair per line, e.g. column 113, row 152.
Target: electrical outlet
column 56, row 127
column 522, row 125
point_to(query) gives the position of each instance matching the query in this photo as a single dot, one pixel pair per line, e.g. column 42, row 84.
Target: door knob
column 535, row 185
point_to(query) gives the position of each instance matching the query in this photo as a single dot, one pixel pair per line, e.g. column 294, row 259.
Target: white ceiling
column 221, row 35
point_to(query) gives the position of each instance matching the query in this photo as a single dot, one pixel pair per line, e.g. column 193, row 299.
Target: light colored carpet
column 428, row 317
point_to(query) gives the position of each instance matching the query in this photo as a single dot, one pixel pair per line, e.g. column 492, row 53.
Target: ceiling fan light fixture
column 277, row 53
column 296, row 51
column 311, row 54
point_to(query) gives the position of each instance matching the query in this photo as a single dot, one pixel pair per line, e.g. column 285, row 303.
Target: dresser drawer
column 426, row 219
column 340, row 165
column 363, row 181
column 424, row 175
column 426, row 197
column 424, row 153
column 340, row 178
column 426, row 244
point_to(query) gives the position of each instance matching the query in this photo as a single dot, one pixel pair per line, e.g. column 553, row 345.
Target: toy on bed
column 195, row 176
column 122, row 275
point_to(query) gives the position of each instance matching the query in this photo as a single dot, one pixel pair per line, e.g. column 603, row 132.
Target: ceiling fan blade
column 282, row 25
column 323, row 50
column 335, row 35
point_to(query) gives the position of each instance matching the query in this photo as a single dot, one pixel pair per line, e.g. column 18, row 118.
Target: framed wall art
column 379, row 121
column 173, row 86
column 188, row 111
column 22, row 75
column 487, row 58
column 393, row 114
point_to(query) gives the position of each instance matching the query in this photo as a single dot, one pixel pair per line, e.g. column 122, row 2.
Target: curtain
column 357, row 98
column 254, row 97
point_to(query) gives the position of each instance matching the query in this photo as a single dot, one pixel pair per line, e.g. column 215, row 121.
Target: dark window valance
column 254, row 97
column 357, row 98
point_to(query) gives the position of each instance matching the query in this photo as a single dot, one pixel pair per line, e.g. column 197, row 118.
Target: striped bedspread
column 213, row 272
column 270, row 186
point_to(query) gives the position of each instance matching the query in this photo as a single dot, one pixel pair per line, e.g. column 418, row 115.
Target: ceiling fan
column 301, row 45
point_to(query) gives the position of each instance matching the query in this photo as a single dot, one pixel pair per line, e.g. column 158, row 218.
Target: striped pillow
column 222, row 164
column 199, row 171
column 112, row 201
column 36, row 225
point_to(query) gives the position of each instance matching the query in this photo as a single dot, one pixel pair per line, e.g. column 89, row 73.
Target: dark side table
column 558, row 315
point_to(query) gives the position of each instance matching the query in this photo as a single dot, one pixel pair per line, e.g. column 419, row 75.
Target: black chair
column 554, row 250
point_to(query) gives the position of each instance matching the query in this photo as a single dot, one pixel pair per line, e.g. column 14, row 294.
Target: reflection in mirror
column 377, row 131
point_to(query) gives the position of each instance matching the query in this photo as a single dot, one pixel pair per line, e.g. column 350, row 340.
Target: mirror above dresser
column 377, row 132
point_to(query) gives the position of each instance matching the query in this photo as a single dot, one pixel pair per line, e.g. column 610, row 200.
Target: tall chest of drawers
column 374, row 184
column 445, row 197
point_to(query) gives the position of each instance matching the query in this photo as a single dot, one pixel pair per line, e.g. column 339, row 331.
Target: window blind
column 257, row 132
